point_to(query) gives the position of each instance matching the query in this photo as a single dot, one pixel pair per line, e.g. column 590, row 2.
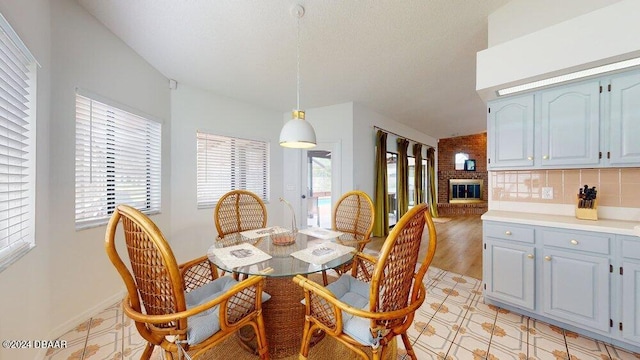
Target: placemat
column 322, row 253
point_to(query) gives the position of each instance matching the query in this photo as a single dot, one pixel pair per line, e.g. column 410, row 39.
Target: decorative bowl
column 284, row 238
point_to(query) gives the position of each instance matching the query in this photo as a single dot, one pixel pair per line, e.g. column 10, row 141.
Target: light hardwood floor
column 459, row 246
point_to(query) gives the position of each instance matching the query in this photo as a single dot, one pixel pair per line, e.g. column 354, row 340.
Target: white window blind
column 117, row 162
column 17, row 146
column 228, row 163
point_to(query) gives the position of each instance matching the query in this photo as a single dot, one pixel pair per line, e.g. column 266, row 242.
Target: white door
column 320, row 183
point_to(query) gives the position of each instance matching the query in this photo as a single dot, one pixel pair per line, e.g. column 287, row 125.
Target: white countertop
column 565, row 222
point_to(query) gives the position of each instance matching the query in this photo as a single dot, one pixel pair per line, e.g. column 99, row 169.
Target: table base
column 283, row 318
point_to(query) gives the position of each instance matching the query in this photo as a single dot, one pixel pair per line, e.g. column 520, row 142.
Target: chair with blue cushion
column 353, row 216
column 369, row 308
column 180, row 308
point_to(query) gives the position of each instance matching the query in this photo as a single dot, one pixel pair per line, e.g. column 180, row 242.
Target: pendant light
column 297, row 132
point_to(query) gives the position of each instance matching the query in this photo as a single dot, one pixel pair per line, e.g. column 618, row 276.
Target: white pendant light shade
column 297, row 132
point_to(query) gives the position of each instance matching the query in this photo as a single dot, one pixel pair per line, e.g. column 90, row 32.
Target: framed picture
column 470, row 165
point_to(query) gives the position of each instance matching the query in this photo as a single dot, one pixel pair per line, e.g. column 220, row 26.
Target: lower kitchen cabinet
column 586, row 281
column 511, row 276
column 575, row 288
column 630, row 272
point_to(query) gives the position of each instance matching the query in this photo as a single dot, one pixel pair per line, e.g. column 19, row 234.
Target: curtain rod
column 404, row 137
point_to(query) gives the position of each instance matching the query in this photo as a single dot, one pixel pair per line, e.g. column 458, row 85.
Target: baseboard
column 89, row 313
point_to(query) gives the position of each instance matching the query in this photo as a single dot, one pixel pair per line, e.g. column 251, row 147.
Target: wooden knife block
column 585, row 213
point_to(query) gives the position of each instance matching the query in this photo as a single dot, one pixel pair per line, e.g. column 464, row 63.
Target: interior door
column 321, row 185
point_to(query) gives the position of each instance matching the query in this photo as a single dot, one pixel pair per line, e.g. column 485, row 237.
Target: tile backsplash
column 617, row 187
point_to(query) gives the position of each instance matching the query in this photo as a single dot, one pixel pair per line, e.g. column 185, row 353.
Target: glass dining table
column 279, row 263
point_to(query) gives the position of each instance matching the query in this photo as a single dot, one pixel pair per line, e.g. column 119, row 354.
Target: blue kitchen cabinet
column 569, row 126
column 624, row 121
column 630, row 273
column 510, row 133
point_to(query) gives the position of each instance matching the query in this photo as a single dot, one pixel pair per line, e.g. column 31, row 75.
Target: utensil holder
column 587, row 213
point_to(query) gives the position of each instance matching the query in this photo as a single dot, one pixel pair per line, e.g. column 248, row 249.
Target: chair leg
column 325, row 281
column 307, row 334
column 148, row 351
column 407, row 346
column 168, row 355
column 261, row 338
column 376, row 352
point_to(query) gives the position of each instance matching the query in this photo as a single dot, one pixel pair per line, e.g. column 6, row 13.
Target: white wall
column 86, row 55
column 25, row 308
column 192, row 230
column 599, row 37
column 507, row 23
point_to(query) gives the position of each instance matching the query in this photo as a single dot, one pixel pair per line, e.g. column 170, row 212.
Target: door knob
column 545, row 157
column 303, row 196
column 507, row 232
column 548, row 258
column 530, row 256
column 574, row 242
column 530, row 158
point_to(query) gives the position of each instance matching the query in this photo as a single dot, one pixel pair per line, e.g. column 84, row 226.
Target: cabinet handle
column 548, row 258
column 507, row 232
column 545, row 157
column 529, row 157
column 530, row 256
column 574, row 242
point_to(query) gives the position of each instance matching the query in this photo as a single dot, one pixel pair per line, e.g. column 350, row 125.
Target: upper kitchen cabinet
column 624, row 121
column 510, row 133
column 569, row 126
column 589, row 124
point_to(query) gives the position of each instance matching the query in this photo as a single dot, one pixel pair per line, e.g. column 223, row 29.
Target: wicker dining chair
column 186, row 307
column 239, row 210
column 364, row 309
column 353, row 216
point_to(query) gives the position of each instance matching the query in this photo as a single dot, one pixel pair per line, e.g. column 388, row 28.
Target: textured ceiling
column 410, row 60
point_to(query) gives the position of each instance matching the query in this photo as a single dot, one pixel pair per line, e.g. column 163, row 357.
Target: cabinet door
column 575, row 287
column 509, row 273
column 569, row 126
column 510, row 133
column 624, row 121
column 631, row 301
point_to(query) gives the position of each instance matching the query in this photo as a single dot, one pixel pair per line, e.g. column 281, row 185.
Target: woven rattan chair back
column 395, row 282
column 239, row 210
column 155, row 278
column 353, row 215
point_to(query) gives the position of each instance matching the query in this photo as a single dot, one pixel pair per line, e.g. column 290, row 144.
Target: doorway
column 321, row 179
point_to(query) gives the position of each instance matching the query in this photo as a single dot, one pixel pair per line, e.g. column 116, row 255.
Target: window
column 460, row 160
column 117, row 161
column 227, row 163
column 17, row 146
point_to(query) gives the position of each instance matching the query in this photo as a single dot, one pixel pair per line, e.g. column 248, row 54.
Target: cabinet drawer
column 509, row 232
column 576, row 241
column 631, row 248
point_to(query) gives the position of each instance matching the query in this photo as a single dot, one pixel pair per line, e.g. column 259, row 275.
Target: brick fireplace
column 476, row 147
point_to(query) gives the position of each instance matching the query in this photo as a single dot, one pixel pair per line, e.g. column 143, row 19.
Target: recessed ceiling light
column 571, row 76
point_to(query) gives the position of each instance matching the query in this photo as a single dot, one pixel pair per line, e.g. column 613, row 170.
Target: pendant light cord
column 298, row 65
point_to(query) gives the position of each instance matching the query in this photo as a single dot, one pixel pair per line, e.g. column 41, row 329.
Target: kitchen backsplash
column 619, row 187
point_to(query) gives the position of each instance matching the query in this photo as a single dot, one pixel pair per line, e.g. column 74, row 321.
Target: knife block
column 587, row 213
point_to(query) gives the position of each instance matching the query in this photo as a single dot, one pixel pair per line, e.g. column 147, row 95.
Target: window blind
column 118, row 158
column 17, row 147
column 228, row 163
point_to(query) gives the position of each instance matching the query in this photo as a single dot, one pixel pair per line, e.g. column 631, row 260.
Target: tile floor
column 452, row 324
